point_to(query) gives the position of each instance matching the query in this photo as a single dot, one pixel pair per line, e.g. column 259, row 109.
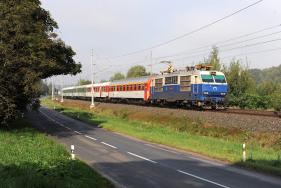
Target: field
column 30, row 159
column 223, row 143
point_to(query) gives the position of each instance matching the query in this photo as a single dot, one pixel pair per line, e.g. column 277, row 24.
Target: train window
column 124, row 87
column 185, row 83
column 142, row 87
column 117, row 88
column 139, row 87
column 127, row 87
column 131, row 87
column 219, row 79
column 145, row 87
column 159, row 85
column 207, row 78
column 135, row 87
column 171, row 80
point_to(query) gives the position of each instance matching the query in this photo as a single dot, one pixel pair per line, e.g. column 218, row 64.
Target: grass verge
column 223, row 143
column 30, row 159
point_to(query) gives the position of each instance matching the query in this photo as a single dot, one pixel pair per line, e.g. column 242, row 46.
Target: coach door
column 195, row 85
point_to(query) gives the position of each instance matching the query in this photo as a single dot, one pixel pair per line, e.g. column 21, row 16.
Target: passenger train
column 193, row 86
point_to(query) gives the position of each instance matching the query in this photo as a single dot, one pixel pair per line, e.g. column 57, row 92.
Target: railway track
column 271, row 114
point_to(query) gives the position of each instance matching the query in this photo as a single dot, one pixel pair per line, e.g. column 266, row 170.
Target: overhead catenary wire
column 184, row 34
column 200, row 55
column 191, row 51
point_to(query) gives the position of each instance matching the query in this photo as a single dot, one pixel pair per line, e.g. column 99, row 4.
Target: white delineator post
column 72, row 152
column 244, row 153
column 92, row 90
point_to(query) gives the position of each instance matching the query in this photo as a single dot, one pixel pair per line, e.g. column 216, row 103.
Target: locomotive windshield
column 207, row 78
column 213, row 79
column 220, row 79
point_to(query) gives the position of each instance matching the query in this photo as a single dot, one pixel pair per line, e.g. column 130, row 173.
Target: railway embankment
column 252, row 123
column 192, row 134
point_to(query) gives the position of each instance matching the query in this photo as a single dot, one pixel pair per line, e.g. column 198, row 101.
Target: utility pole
column 151, row 63
column 92, row 66
column 53, row 89
column 98, row 73
column 61, row 88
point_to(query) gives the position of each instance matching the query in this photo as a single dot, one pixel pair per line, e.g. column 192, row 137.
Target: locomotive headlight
column 206, row 93
column 223, row 93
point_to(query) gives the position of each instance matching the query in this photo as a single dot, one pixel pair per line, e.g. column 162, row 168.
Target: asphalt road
column 129, row 162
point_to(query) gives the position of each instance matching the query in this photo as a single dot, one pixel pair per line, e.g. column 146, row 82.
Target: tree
column 137, row 71
column 117, row 76
column 29, row 51
column 213, row 59
column 239, row 82
column 83, row 82
column 43, row 86
column 256, row 75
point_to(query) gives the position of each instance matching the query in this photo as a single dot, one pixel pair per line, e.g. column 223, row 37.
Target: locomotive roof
column 130, row 80
column 190, row 72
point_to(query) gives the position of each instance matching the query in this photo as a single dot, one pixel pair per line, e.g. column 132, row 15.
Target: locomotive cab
column 214, row 89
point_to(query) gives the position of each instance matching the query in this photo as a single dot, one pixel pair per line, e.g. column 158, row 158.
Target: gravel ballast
column 246, row 122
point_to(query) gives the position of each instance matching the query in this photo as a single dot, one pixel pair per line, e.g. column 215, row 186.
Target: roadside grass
column 30, row 159
column 263, row 150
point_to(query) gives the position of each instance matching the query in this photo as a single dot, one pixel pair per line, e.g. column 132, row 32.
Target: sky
column 113, row 28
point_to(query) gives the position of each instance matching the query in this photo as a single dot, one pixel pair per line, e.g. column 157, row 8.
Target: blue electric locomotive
column 193, row 86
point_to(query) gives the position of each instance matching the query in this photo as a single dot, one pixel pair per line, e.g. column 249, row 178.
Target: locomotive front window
column 207, row 78
column 219, row 79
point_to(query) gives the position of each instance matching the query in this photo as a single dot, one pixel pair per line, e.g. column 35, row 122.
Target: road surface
column 129, row 162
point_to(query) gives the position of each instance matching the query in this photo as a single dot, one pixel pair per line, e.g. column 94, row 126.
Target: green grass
column 185, row 133
column 31, row 159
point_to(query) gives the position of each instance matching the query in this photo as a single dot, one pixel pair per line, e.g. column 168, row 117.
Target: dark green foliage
column 254, row 101
column 29, row 51
column 137, row 71
column 83, row 82
column 239, row 82
column 255, row 74
column 117, row 76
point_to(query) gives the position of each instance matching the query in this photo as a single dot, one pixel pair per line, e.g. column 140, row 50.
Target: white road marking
column 90, row 137
column 68, row 128
column 141, row 157
column 161, row 148
column 108, row 145
column 77, row 132
column 202, row 179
